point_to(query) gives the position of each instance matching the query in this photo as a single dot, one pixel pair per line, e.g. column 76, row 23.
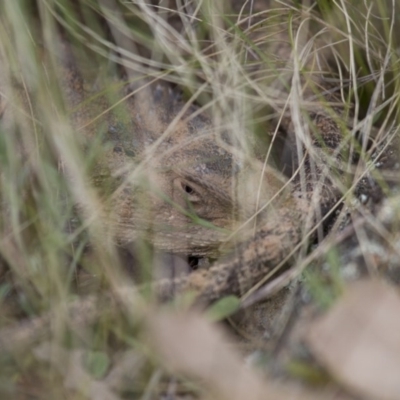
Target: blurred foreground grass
column 50, row 252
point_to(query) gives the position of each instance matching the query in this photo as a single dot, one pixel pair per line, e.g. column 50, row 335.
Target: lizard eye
column 189, row 191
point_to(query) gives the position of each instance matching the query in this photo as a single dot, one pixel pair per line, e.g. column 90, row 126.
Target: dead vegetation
column 263, row 72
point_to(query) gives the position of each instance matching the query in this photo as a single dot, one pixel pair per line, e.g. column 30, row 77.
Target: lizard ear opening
column 188, row 189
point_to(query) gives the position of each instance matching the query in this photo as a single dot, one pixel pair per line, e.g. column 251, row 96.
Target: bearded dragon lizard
column 189, row 189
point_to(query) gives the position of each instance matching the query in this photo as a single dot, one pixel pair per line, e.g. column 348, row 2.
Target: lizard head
column 173, row 177
column 190, row 187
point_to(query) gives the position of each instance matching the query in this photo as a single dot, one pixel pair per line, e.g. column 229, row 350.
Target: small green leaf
column 97, row 363
column 308, row 373
column 5, row 288
column 223, row 308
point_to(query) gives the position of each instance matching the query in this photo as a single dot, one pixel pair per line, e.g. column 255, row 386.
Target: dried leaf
column 358, row 341
column 190, row 345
